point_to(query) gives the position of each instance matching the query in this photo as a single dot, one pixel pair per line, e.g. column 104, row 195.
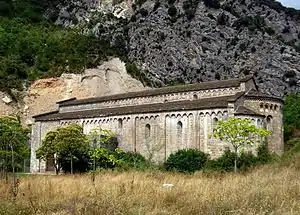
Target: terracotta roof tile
column 245, row 111
column 216, row 102
column 259, row 95
column 160, row 91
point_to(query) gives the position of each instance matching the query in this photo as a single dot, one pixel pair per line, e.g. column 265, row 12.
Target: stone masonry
column 158, row 122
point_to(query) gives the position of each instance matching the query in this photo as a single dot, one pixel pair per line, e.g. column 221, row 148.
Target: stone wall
column 201, row 94
column 155, row 136
column 273, row 121
column 39, row 131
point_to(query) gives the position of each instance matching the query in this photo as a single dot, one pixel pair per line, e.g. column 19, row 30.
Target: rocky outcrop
column 235, row 38
column 186, row 41
column 109, row 78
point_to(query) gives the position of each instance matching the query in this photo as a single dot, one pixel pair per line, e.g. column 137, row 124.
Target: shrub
column 136, row 73
column 156, row 5
column 190, row 7
column 212, row 3
column 103, row 158
column 270, row 30
column 263, row 154
column 291, row 115
column 171, row 1
column 172, row 11
column 293, row 146
column 222, row 19
column 186, row 160
column 247, row 160
column 225, row 163
column 129, row 160
column 140, row 2
column 143, row 12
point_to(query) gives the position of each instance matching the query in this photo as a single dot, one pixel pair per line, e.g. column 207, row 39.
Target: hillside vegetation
column 31, row 47
column 171, row 42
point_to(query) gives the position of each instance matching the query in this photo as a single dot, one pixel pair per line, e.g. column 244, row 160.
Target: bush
column 186, row 160
column 291, row 115
column 134, row 72
column 293, row 146
column 190, row 8
column 263, row 154
column 212, row 3
column 156, row 5
column 270, row 30
column 246, row 160
column 143, row 12
column 225, row 163
column 222, row 19
column 131, row 160
column 172, row 11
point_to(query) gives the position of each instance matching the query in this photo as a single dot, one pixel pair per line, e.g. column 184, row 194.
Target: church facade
column 158, row 122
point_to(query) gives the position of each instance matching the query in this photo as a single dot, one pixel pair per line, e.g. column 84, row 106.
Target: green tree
column 104, row 144
column 63, row 145
column 291, row 115
column 239, row 133
column 13, row 145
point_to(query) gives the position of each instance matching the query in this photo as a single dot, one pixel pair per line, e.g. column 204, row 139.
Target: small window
column 215, row 121
column 195, row 96
column 147, row 131
column 179, row 128
column 120, row 123
column 269, row 123
column 261, row 106
column 275, row 107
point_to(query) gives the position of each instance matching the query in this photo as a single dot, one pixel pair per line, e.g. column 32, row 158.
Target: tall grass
column 266, row 190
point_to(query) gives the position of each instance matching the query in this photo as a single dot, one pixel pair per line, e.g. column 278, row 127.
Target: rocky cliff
column 186, row 41
column 109, row 78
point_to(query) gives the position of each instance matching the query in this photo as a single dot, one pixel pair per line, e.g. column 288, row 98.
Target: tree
column 13, row 144
column 291, row 115
column 238, row 132
column 65, row 145
column 104, row 144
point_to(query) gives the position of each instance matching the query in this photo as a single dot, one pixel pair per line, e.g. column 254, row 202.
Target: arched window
column 120, row 123
column 147, row 131
column 266, row 106
column 195, row 96
column 261, row 107
column 179, row 128
column 269, row 123
column 214, row 123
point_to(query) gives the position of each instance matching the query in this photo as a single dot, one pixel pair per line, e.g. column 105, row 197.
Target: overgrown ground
column 271, row 189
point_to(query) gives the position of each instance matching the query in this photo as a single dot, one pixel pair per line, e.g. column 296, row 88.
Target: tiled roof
column 259, row 95
column 216, row 102
column 160, row 91
column 245, row 111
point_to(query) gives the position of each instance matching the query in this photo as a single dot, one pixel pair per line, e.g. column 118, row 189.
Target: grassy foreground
column 266, row 190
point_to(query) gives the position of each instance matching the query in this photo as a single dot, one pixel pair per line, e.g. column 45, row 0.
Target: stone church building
column 160, row 121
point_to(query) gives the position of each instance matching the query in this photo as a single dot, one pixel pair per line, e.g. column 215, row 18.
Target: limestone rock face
column 190, row 41
column 109, row 78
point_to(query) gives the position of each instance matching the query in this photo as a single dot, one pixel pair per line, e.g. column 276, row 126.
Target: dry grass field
column 265, row 190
